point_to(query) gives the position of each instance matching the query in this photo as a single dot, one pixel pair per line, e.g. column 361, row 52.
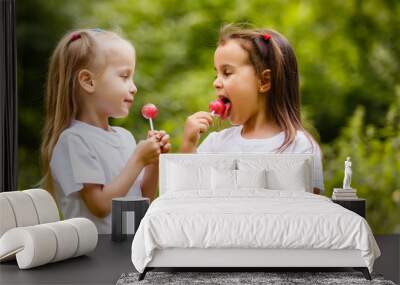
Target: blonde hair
column 77, row 50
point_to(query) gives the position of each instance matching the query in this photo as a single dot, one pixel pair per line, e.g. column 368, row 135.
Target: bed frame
column 245, row 259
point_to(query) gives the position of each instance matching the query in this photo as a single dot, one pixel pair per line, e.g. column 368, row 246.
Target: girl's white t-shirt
column 231, row 140
column 88, row 154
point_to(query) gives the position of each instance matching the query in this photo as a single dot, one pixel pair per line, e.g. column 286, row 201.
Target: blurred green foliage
column 375, row 153
column 348, row 54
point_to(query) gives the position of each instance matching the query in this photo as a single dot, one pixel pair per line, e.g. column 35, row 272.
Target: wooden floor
column 110, row 259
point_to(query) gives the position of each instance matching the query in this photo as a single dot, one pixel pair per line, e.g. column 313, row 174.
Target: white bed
column 247, row 210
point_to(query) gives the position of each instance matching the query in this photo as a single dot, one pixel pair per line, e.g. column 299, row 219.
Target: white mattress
column 253, row 218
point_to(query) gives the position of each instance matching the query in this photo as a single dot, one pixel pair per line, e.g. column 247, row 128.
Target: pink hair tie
column 266, row 37
column 74, row 37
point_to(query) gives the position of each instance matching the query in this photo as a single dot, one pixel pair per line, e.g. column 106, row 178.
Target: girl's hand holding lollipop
column 150, row 112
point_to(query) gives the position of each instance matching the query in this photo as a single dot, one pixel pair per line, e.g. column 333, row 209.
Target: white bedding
column 250, row 218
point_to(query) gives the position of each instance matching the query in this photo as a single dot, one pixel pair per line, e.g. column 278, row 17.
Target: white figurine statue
column 347, row 174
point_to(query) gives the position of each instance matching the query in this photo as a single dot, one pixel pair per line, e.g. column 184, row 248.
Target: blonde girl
column 86, row 162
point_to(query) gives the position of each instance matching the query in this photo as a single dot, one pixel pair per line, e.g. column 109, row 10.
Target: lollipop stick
column 212, row 113
column 151, row 124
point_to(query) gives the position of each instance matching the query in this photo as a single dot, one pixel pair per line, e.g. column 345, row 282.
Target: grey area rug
column 231, row 278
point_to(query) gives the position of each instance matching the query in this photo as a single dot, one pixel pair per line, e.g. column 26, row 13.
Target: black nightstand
column 355, row 205
column 138, row 205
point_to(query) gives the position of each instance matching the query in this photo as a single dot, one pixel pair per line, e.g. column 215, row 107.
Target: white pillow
column 222, row 163
column 251, row 178
column 227, row 179
column 282, row 173
column 188, row 177
column 296, row 178
column 223, row 179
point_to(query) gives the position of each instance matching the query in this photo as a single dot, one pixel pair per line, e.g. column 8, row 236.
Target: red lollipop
column 150, row 111
column 220, row 108
column 217, row 107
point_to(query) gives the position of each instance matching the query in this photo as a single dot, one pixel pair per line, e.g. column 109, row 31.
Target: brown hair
column 77, row 50
column 276, row 54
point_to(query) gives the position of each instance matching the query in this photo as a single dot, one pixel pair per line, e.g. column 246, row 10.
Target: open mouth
column 228, row 105
column 224, row 99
